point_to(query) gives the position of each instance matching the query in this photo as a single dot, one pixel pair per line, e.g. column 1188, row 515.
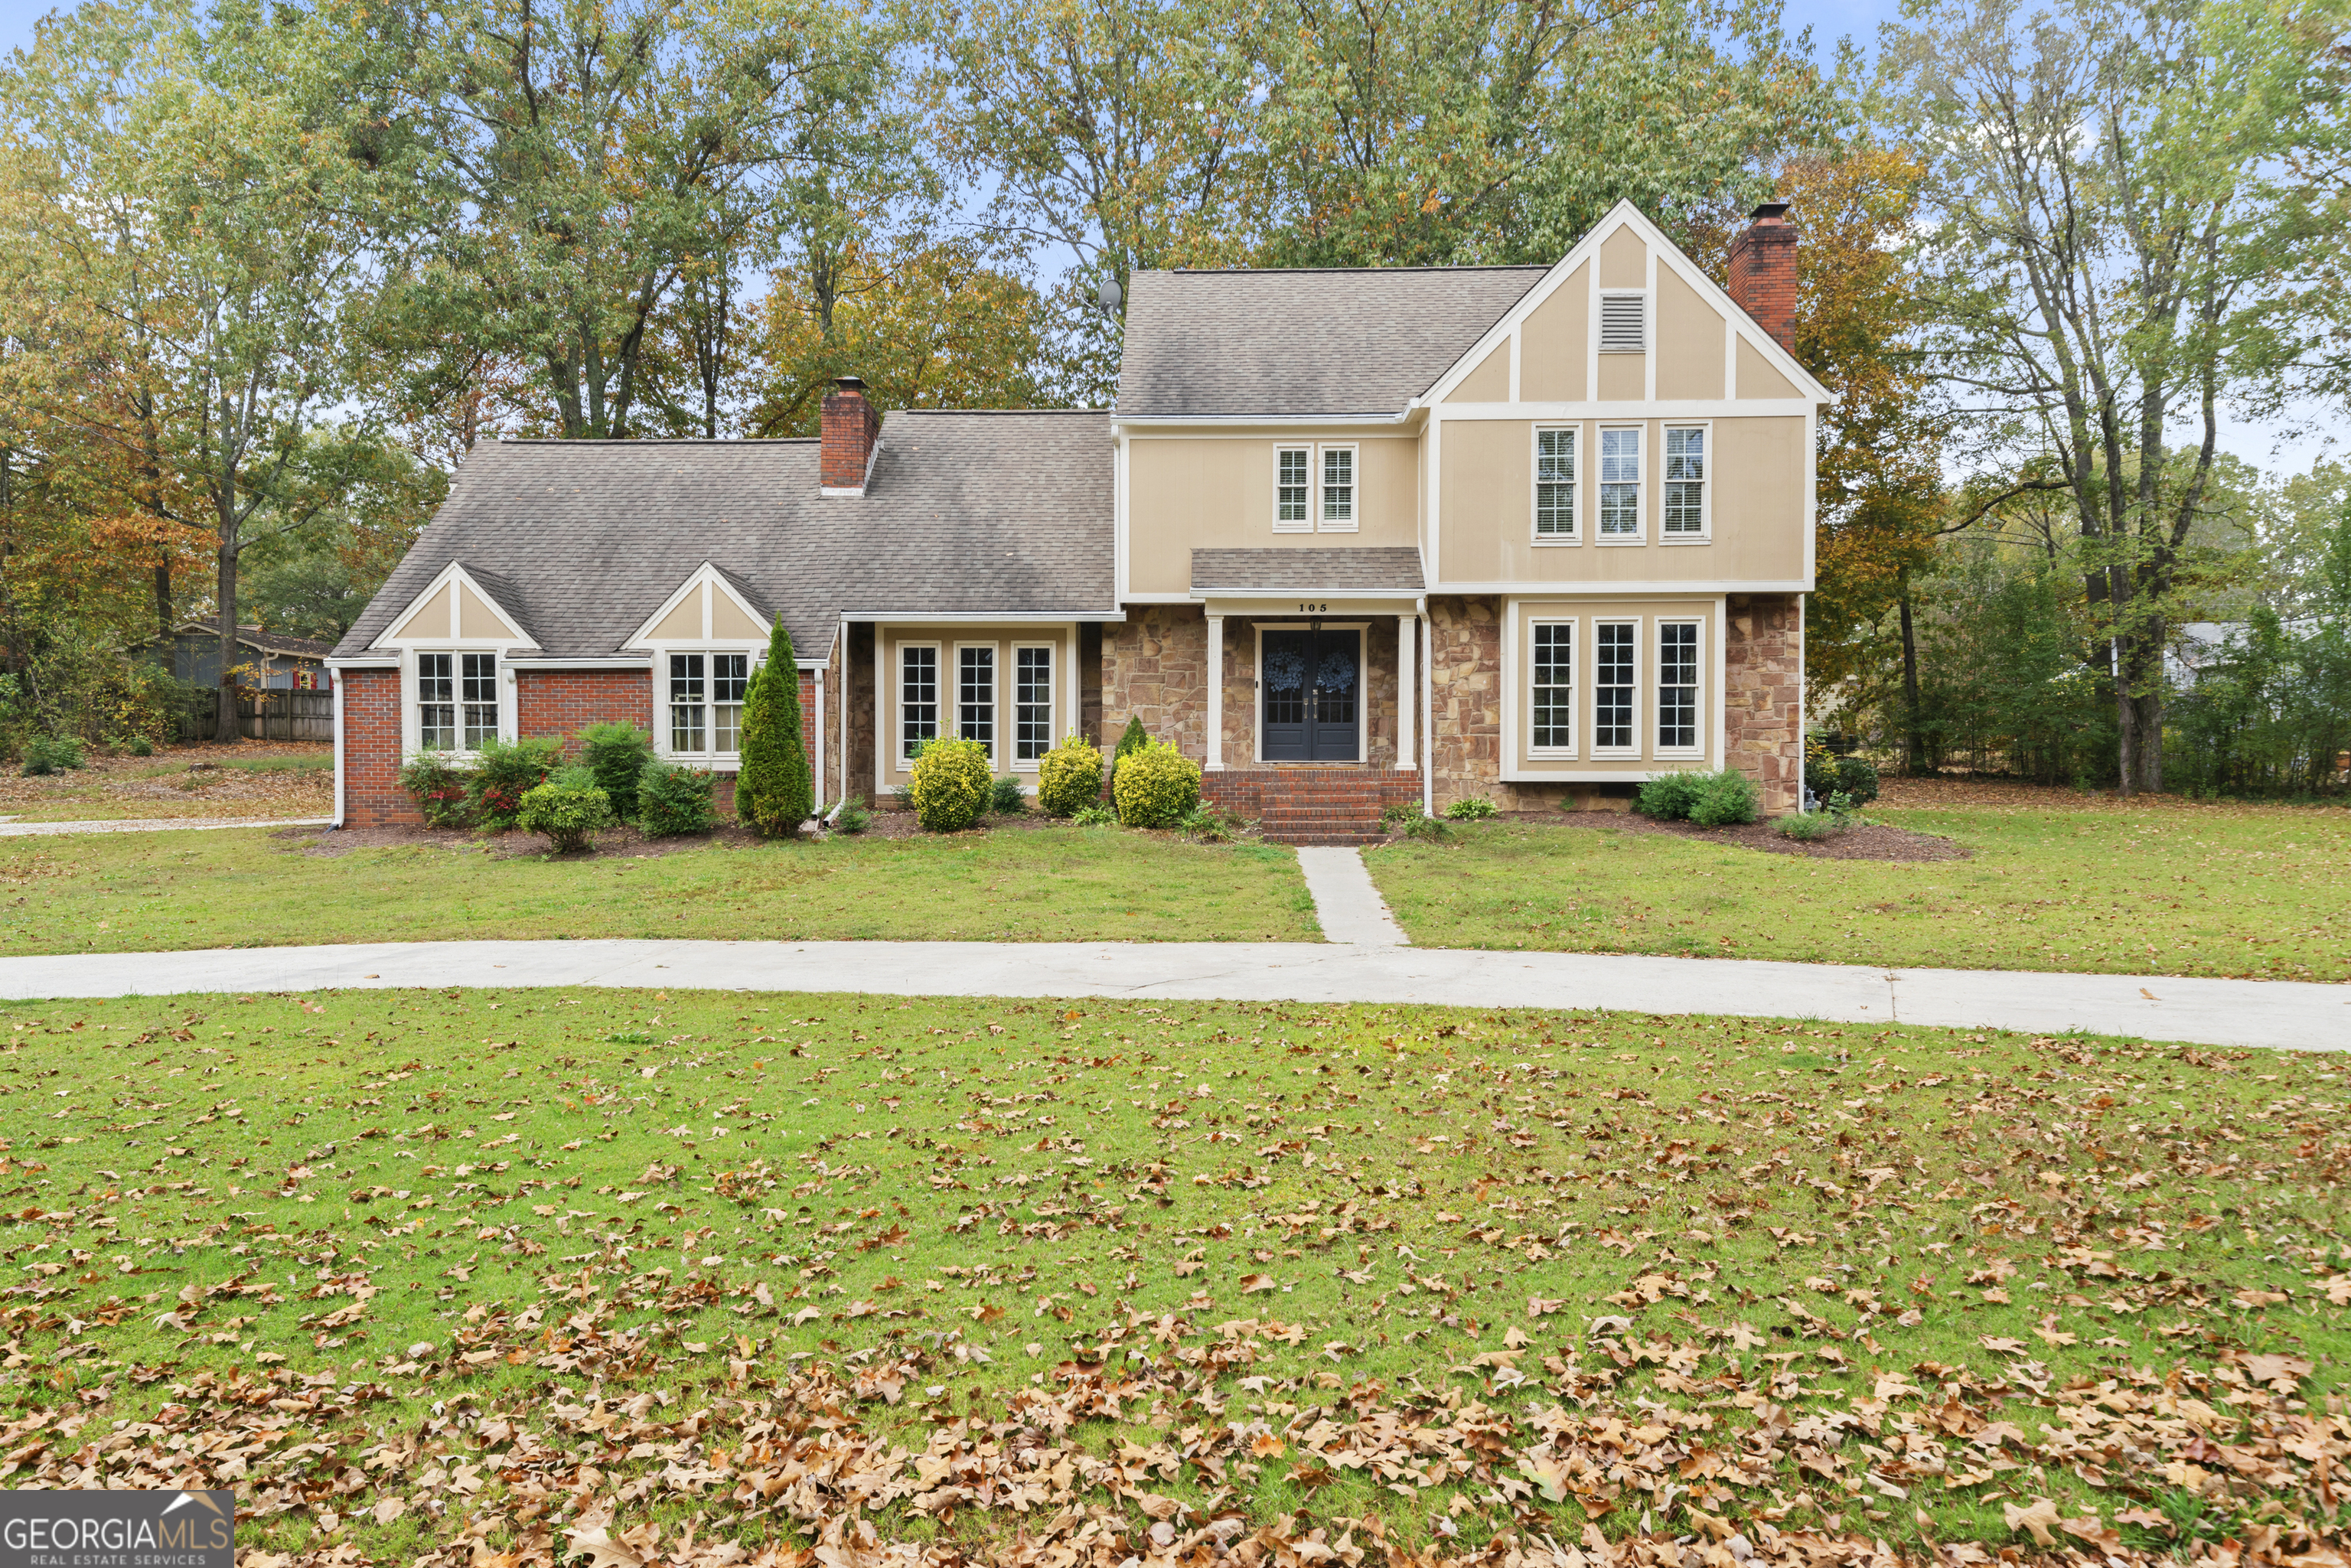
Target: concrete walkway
column 1346, row 904
column 9, row 830
column 2205, row 1012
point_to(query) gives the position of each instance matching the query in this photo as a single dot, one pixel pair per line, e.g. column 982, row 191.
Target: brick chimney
column 1763, row 274
column 851, row 425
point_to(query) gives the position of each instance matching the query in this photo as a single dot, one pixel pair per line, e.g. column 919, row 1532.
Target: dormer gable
column 461, row 608
column 709, row 607
column 1624, row 316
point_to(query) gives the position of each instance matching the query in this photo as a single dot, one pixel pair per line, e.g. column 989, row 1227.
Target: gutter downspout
column 840, row 640
column 338, row 750
column 1427, row 709
column 818, row 804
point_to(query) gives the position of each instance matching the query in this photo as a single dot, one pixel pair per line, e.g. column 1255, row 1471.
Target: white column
column 1215, row 694
column 1407, row 755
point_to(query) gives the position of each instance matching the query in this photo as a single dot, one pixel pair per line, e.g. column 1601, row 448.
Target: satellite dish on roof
column 1108, row 295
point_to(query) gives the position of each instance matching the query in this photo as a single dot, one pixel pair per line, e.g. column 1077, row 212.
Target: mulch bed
column 1872, row 842
column 614, row 843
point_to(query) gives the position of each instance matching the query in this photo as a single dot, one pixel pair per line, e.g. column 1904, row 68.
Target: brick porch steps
column 1333, row 806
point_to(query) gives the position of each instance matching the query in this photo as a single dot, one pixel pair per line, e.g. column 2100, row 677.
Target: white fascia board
column 989, row 618
column 1383, row 594
column 364, row 661
column 1280, row 421
column 1585, row 587
column 1752, row 408
column 585, row 661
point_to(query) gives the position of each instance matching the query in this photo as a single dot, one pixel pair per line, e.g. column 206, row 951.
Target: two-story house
column 1348, row 537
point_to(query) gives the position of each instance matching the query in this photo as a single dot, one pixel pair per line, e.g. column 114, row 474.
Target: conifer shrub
column 1070, row 777
column 616, row 754
column 504, row 773
column 952, row 785
column 673, row 799
column 1156, row 786
column 1007, row 799
column 47, row 754
column 569, row 810
column 775, row 791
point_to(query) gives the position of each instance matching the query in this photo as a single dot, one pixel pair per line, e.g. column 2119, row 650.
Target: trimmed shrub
column 617, row 754
column 1070, row 777
column 1095, row 815
column 1006, row 799
column 1156, row 786
column 1471, row 808
column 47, row 754
column 438, row 787
column 952, row 784
column 1414, row 823
column 852, row 817
column 1669, row 797
column 1723, row 799
column 673, row 799
column 569, row 810
column 1857, row 779
column 775, row 793
column 1810, row 827
column 505, row 773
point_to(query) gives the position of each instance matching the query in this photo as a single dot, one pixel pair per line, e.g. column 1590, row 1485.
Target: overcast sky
column 2286, row 445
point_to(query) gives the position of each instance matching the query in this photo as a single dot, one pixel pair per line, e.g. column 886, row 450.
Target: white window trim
column 1642, row 499
column 1010, row 725
column 943, row 673
column 1639, row 623
column 952, row 681
column 1575, row 536
column 412, row 707
column 1354, row 522
column 715, row 760
column 1700, row 725
column 1600, row 328
column 1705, row 534
column 1313, row 487
column 1257, row 686
column 1575, row 697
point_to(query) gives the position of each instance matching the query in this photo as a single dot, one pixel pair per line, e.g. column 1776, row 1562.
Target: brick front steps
column 1314, row 805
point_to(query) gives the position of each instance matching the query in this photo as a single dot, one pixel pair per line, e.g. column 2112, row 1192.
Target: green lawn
column 236, row 888
column 501, row 1275
column 2163, row 889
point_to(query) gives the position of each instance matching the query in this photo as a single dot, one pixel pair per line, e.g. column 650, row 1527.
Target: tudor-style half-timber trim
column 704, row 643
column 458, row 621
column 468, row 616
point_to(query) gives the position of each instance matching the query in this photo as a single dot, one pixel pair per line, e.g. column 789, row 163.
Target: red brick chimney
column 850, row 425
column 1763, row 274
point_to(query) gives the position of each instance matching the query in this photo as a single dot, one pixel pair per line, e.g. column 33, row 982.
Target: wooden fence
column 262, row 715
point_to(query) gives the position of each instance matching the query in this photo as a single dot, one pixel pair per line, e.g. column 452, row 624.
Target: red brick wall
column 557, row 703
column 370, row 754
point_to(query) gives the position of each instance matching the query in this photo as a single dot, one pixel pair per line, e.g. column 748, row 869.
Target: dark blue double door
column 1309, row 704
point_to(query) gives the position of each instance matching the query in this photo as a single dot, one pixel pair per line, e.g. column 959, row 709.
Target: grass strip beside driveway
column 2249, row 892
column 154, row 892
column 430, row 1276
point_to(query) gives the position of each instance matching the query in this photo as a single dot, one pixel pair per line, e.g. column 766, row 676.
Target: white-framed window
column 1623, row 322
column 1552, row 674
column 918, row 696
column 1337, row 513
column 456, row 701
column 705, row 694
column 1555, row 484
column 1293, row 489
column 1032, row 702
column 1686, row 483
column 1620, row 483
column 1616, row 647
column 975, row 694
column 1677, row 687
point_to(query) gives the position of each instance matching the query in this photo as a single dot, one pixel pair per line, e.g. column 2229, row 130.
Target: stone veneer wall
column 1155, row 667
column 1763, row 661
column 1465, row 678
column 860, row 760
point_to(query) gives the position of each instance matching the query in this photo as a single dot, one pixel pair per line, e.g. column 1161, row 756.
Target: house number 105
column 1312, row 608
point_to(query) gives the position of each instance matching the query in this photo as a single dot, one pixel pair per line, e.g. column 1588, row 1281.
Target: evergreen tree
column 774, row 793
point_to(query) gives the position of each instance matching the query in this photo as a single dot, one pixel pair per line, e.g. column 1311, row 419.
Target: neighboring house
column 1349, row 538
column 266, row 659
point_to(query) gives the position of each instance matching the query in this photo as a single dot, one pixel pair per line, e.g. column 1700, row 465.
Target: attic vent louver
column 1624, row 324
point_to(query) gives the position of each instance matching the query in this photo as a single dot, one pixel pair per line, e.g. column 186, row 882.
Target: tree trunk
column 224, row 726
column 1914, row 739
column 163, row 606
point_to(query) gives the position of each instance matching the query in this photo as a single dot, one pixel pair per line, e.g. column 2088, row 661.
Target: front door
column 1308, row 698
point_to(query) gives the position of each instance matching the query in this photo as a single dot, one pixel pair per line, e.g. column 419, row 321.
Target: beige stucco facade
column 1625, row 449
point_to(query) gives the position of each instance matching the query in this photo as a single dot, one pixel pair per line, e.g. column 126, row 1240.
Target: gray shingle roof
column 1303, row 341
column 968, row 514
column 1379, row 569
